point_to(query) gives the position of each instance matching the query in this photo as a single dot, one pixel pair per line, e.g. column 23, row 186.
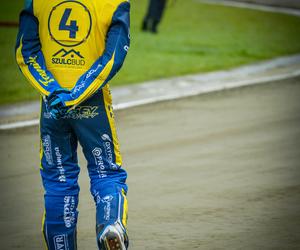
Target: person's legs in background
column 154, row 15
column 157, row 14
column 148, row 19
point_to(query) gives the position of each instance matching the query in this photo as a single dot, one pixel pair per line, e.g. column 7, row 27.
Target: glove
column 56, row 103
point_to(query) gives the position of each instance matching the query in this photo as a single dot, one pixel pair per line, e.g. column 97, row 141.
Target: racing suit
column 76, row 46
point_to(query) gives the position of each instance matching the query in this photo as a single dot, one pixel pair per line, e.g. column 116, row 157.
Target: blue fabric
column 55, row 103
column 89, row 125
column 31, row 51
column 117, row 44
column 27, row 4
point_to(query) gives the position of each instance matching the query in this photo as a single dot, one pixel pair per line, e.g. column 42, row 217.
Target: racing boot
column 113, row 237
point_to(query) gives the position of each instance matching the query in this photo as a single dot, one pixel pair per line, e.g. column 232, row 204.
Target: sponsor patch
column 97, row 153
column 69, row 211
column 70, row 58
column 61, row 177
column 107, row 206
column 80, row 112
column 108, row 147
column 44, row 78
column 46, row 141
column 61, row 242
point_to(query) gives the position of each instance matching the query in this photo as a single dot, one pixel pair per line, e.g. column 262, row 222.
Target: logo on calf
column 60, row 242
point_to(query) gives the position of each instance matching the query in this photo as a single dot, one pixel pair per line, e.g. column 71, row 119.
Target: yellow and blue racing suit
column 78, row 46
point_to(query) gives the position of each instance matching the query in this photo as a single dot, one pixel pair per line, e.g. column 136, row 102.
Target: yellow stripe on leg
column 111, row 120
column 41, row 153
column 41, row 141
column 43, row 227
column 125, row 210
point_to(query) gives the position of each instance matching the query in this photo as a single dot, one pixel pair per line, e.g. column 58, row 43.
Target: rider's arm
column 106, row 66
column 29, row 55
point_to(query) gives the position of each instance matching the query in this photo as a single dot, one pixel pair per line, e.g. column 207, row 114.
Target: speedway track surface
column 215, row 171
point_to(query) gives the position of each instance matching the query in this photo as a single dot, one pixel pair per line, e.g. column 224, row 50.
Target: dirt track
column 219, row 171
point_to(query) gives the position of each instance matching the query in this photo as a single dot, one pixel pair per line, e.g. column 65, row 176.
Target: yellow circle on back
column 69, row 23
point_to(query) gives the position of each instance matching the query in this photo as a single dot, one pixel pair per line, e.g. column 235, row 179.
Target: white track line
column 253, row 6
column 209, row 88
column 21, row 124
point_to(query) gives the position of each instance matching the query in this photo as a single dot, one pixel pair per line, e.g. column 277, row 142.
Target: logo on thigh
column 97, row 153
column 108, row 147
column 60, row 167
column 46, row 142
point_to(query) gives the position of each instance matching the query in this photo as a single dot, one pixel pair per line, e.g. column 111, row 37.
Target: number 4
column 72, row 27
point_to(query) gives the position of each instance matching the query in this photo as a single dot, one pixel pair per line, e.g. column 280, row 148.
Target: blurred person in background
column 153, row 16
column 69, row 51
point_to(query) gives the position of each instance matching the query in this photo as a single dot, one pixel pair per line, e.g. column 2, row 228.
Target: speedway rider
column 69, row 50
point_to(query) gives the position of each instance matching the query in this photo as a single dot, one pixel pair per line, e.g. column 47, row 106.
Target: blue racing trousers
column 92, row 125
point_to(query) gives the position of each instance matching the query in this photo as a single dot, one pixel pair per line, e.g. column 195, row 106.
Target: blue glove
column 56, row 103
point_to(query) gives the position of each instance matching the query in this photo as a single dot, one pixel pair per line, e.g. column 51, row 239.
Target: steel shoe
column 113, row 238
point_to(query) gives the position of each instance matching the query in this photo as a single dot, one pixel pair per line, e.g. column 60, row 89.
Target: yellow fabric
column 41, row 142
column 41, row 153
column 24, row 68
column 125, row 210
column 43, row 224
column 111, row 120
column 67, row 57
column 95, row 85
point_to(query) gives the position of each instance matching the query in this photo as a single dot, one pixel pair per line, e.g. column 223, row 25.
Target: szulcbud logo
column 68, row 58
